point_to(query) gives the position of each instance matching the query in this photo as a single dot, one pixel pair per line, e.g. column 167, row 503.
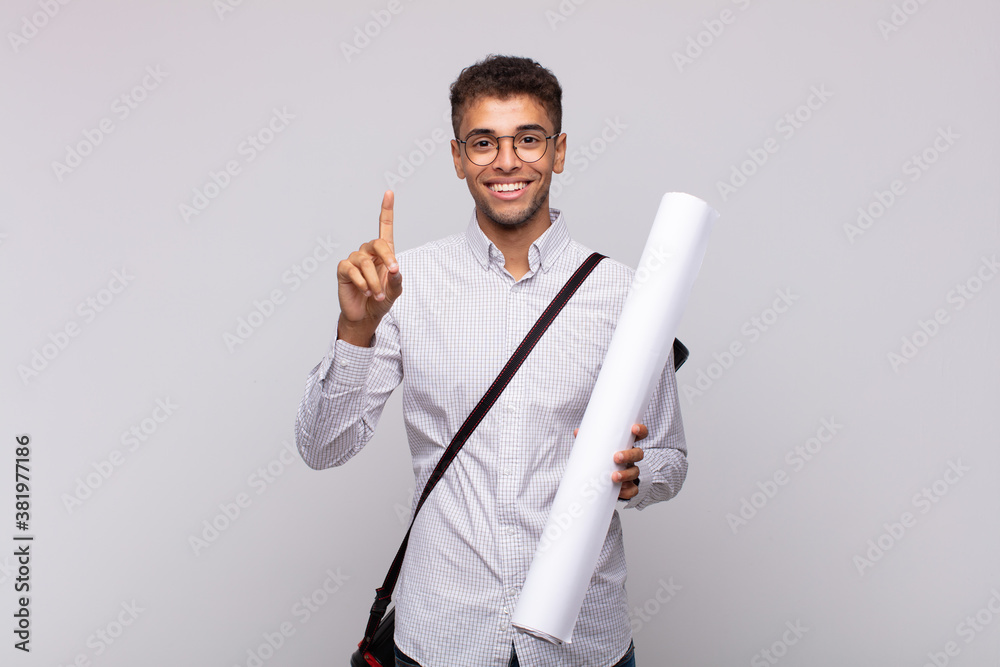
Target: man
column 469, row 300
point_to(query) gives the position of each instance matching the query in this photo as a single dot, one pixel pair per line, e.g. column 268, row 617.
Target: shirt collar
column 544, row 251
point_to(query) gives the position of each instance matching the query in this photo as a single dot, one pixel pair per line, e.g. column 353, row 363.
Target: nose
column 506, row 159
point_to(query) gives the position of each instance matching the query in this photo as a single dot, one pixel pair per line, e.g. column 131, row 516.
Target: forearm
column 343, row 400
column 663, row 467
column 661, row 473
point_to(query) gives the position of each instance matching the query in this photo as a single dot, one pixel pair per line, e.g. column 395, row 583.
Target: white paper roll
column 571, row 543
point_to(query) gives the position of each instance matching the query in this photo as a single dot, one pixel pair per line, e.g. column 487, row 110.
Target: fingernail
column 368, row 292
column 380, row 296
column 393, row 266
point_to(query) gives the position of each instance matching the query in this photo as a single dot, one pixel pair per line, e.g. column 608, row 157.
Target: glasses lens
column 482, row 149
column 530, row 145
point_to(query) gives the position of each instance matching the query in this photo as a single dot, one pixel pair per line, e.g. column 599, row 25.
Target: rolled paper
column 577, row 526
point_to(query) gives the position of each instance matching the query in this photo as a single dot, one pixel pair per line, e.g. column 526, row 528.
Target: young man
column 469, row 300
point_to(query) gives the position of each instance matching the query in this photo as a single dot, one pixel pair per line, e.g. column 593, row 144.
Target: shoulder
column 443, row 252
column 441, row 247
column 610, row 271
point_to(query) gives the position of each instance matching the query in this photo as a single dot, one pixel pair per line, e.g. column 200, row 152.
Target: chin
column 512, row 219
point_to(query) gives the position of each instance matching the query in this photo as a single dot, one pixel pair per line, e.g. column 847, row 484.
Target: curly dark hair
column 504, row 77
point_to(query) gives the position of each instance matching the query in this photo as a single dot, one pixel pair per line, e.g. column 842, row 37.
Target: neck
column 514, row 242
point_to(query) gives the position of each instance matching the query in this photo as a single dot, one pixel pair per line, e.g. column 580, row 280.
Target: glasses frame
column 513, row 145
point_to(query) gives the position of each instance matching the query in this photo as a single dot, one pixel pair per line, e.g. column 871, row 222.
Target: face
column 524, row 197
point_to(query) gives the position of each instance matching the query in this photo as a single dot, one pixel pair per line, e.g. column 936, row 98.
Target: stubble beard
column 514, row 220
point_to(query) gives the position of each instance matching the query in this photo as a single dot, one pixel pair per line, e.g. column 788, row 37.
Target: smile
column 507, row 187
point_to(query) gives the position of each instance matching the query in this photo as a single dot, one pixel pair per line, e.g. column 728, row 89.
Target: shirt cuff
column 643, row 488
column 349, row 364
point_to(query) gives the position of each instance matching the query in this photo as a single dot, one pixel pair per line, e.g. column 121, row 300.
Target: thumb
column 394, row 285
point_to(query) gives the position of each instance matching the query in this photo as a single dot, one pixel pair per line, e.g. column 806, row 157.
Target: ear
column 456, row 155
column 560, row 160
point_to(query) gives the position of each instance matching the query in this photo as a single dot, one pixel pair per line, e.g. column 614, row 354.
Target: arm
column 344, row 398
column 346, row 392
column 663, row 465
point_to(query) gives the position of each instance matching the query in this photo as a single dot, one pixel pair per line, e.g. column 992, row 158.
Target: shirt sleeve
column 344, row 397
column 664, row 464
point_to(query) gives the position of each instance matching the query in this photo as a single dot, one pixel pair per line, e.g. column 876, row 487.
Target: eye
column 530, row 140
column 482, row 143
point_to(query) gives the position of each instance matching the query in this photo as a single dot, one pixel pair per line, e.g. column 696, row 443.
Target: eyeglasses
column 529, row 146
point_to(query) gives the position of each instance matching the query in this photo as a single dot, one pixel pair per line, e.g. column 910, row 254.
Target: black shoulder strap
column 384, row 594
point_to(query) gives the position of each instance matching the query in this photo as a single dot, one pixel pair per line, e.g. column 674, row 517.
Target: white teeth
column 507, row 187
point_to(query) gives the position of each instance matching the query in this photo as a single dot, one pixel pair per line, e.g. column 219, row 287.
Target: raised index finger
column 385, row 219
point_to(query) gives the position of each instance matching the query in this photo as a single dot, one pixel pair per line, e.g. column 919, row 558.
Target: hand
column 628, row 458
column 368, row 282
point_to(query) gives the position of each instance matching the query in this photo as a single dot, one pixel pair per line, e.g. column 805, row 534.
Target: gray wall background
column 846, row 548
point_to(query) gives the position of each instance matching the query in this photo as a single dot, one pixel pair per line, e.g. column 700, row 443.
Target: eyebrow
column 520, row 128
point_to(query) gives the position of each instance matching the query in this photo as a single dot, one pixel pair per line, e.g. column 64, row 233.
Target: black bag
column 376, row 648
column 379, row 653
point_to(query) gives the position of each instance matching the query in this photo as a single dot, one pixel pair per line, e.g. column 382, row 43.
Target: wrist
column 355, row 333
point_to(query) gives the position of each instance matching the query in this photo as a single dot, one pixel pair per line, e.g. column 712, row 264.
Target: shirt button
column 512, row 407
column 511, row 530
column 505, row 610
column 506, row 471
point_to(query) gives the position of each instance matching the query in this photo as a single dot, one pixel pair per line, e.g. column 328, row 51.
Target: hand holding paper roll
column 629, row 475
column 567, row 554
